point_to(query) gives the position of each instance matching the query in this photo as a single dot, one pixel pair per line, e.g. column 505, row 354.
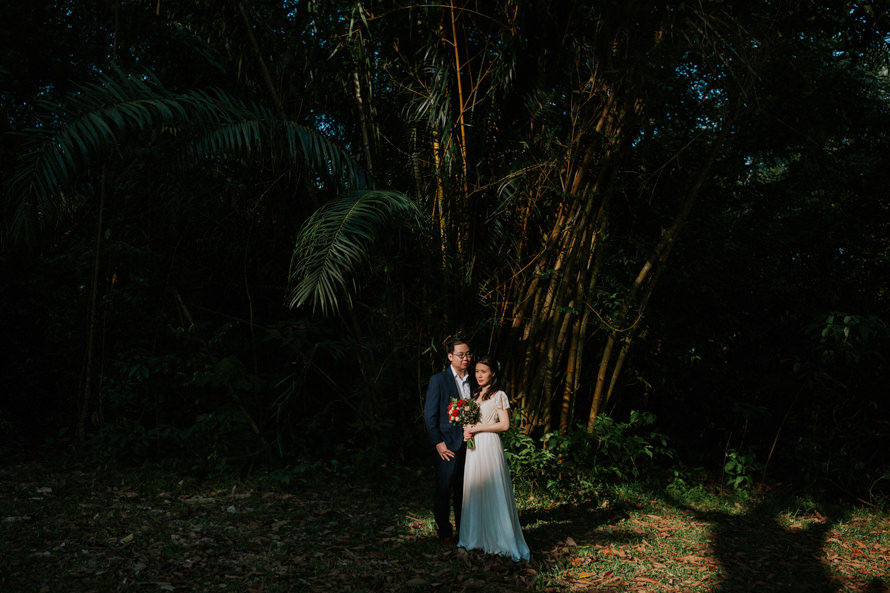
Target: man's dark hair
column 453, row 341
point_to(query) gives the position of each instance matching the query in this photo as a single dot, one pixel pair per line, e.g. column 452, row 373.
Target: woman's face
column 483, row 374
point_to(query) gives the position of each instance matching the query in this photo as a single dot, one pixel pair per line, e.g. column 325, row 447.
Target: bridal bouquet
column 464, row 411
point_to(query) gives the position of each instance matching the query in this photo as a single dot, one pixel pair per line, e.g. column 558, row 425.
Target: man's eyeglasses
column 463, row 355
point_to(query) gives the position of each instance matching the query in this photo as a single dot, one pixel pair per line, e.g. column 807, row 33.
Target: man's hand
column 444, row 452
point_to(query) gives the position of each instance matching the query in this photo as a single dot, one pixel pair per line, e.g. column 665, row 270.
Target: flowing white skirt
column 489, row 519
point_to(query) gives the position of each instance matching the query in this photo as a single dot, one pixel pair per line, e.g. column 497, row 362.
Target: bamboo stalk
column 460, row 101
column 267, row 76
column 439, row 209
column 85, row 399
column 363, row 122
column 652, row 264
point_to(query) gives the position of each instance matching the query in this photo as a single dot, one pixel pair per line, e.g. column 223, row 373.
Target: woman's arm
column 501, row 425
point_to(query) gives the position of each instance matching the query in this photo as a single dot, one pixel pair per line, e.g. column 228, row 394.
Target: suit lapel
column 452, row 384
column 453, row 390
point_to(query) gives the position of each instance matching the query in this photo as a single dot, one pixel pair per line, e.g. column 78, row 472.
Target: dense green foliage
column 236, row 234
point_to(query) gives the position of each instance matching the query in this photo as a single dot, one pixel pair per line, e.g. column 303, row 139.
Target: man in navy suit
column 454, row 382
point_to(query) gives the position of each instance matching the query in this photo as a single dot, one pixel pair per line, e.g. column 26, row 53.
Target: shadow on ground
column 758, row 551
column 86, row 529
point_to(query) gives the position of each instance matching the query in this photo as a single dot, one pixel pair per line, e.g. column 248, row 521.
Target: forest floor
column 72, row 529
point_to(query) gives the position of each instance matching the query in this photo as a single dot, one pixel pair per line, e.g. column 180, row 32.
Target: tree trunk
column 84, row 401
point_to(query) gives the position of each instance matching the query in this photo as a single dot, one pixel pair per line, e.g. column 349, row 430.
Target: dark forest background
column 237, row 233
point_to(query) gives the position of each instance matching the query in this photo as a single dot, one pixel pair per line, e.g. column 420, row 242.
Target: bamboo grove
column 561, row 147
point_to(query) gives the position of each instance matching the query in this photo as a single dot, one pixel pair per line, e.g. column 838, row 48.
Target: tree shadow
column 548, row 529
column 877, row 586
column 758, row 553
column 548, row 533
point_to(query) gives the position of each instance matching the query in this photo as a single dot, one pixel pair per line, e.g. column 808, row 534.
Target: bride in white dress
column 489, row 520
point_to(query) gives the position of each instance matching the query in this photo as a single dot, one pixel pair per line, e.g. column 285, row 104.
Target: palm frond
column 92, row 123
column 325, row 157
column 252, row 131
column 240, row 129
column 336, row 242
column 98, row 118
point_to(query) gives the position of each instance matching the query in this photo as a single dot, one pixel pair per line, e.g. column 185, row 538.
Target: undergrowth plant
column 576, row 462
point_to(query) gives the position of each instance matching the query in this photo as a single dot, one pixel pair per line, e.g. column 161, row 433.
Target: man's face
column 460, row 358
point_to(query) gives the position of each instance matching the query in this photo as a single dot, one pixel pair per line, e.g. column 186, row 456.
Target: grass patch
column 86, row 529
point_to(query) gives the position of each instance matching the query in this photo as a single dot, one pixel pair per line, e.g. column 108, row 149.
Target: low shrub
column 576, row 462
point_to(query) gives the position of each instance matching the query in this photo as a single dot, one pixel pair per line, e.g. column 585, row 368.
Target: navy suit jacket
column 435, row 411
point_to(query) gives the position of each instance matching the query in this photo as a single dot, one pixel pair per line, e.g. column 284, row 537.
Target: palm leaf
column 336, row 242
column 92, row 123
column 98, row 118
column 239, row 129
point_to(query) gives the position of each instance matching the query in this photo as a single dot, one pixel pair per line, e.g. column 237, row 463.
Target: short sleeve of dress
column 501, row 402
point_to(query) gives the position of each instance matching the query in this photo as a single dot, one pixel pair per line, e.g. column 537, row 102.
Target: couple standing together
column 478, row 480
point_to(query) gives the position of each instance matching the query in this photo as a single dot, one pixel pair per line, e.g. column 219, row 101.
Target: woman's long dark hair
column 492, row 364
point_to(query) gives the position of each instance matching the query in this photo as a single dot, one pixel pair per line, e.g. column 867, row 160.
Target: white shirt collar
column 466, row 376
